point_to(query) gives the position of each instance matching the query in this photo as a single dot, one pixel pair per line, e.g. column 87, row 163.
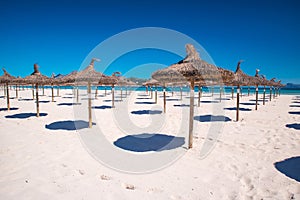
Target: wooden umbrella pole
column 191, row 118
column 256, row 97
column 7, row 97
column 126, row 88
column 274, row 92
column 113, row 96
column 4, row 90
column 52, row 92
column 104, row 90
column 37, row 99
column 146, row 89
column 165, row 101
column 17, row 96
column 155, row 94
column 232, row 92
column 200, row 91
column 151, row 93
column 270, row 93
column 241, row 92
column 248, row 91
column 121, row 93
column 199, row 96
column 96, row 92
column 90, row 105
column 43, row 90
column 212, row 91
column 237, row 102
column 264, row 95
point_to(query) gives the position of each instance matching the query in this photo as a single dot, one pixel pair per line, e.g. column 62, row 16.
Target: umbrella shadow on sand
column 102, row 107
column 5, row 109
column 241, row 109
column 144, row 102
column 143, row 98
column 294, row 126
column 249, row 104
column 212, row 118
column 25, row 99
column 68, row 125
column 209, row 101
column 24, row 115
column 294, row 112
column 295, row 106
column 149, row 142
column 181, row 105
column 44, row 101
column 68, row 104
column 289, row 167
column 146, row 112
column 172, row 99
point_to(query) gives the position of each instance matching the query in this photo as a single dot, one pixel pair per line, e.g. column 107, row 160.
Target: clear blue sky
column 58, row 35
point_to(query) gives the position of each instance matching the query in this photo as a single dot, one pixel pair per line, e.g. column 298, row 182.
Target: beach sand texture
column 247, row 161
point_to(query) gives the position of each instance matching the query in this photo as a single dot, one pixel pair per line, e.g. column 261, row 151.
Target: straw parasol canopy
column 6, row 79
column 191, row 69
column 89, row 74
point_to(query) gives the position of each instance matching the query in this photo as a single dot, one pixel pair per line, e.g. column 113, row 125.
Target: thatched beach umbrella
column 240, row 79
column 36, row 78
column 192, row 69
column 6, row 79
column 112, row 81
column 152, row 83
column 69, row 79
column 89, row 76
column 257, row 81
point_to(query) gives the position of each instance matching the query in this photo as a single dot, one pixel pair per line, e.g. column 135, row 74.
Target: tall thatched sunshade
column 6, row 79
column 256, row 81
column 152, row 83
column 36, row 79
column 70, row 79
column 193, row 69
column 112, row 81
column 240, row 79
column 89, row 76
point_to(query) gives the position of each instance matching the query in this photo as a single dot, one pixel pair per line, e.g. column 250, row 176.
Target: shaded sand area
column 256, row 158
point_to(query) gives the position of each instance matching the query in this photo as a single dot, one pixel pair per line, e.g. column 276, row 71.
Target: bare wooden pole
column 237, row 103
column 52, row 93
column 256, row 97
column 232, row 92
column 57, row 90
column 220, row 94
column 43, row 90
column 7, row 97
column 180, row 93
column 155, row 94
column 248, row 91
column 113, row 96
column 165, row 101
column 199, row 95
column 104, row 90
column 270, row 93
column 151, row 93
column 191, row 118
column 32, row 91
column 37, row 99
column 96, row 92
column 89, row 105
column 17, row 95
column 121, row 93
column 264, row 95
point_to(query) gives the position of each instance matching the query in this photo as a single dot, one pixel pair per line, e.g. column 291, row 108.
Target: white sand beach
column 44, row 159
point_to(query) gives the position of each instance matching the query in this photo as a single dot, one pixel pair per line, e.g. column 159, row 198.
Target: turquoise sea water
column 283, row 91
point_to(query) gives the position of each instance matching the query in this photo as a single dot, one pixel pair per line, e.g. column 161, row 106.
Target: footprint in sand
column 128, row 186
column 154, row 190
column 247, row 186
column 104, row 177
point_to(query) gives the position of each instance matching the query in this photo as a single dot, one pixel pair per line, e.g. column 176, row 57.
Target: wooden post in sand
column 113, row 96
column 17, row 95
column 7, row 97
column 122, row 93
column 77, row 94
column 90, row 105
column 264, row 95
column 191, row 117
column 199, row 95
column 165, row 101
column 270, row 93
column 232, row 92
column 37, row 99
column 156, row 94
column 256, row 97
column 180, row 92
column 96, row 92
column 32, row 92
column 52, row 92
column 237, row 103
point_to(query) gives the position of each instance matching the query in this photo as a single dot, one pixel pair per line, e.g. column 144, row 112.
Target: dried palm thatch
column 191, row 69
column 7, row 79
column 89, row 74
